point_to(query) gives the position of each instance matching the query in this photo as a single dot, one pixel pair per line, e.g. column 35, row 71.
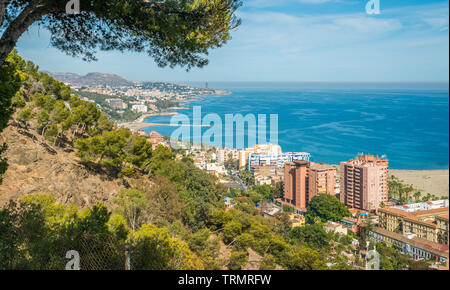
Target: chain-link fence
column 83, row 252
column 95, row 252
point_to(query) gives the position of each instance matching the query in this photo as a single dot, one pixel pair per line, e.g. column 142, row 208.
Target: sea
column 408, row 123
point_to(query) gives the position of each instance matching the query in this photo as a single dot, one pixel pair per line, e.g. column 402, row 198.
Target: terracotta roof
column 415, row 213
column 418, row 221
column 443, row 217
column 393, row 211
column 431, row 211
column 432, row 247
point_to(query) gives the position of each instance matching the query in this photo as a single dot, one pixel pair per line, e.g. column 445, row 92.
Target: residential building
column 295, row 184
column 321, row 180
column 215, row 168
column 417, row 248
column 431, row 225
column 423, row 205
column 364, row 182
column 335, row 227
column 442, row 227
column 116, row 104
column 278, row 159
column 224, row 154
column 139, row 108
column 303, row 180
column 258, row 149
column 155, row 138
column 297, row 220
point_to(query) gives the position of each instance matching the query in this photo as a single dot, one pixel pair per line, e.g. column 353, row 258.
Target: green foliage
column 18, row 100
column 403, row 192
column 25, row 115
column 268, row 262
column 245, row 204
column 304, row 258
column 231, row 231
column 206, row 248
column 177, row 32
column 288, row 209
column 313, row 236
column 117, row 224
column 346, row 240
column 238, row 259
column 261, row 193
column 392, row 259
column 154, row 249
column 36, row 233
column 131, row 203
column 327, row 208
column 165, row 104
column 10, row 81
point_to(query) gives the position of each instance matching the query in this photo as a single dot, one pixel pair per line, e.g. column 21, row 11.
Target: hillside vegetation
column 75, row 179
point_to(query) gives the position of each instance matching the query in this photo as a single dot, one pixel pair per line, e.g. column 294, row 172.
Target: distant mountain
column 64, row 77
column 92, row 79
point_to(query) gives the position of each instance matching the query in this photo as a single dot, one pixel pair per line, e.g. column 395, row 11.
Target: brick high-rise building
column 295, row 183
column 321, row 179
column 304, row 180
column 364, row 182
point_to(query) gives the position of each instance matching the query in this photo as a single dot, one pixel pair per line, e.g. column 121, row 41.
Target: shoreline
column 140, row 123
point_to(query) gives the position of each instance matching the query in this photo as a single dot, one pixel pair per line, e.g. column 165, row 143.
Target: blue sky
column 296, row 40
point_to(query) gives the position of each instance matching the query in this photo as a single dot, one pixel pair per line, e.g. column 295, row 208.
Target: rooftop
column 435, row 248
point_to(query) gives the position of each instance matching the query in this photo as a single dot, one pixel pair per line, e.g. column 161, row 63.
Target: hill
column 92, row 79
column 64, row 153
column 38, row 167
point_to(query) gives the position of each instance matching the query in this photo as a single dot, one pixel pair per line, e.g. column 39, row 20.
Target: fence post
column 127, row 258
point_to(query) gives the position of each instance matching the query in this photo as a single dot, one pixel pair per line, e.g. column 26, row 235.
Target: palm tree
column 417, row 195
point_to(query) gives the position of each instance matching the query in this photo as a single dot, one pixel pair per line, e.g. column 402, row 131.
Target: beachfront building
column 422, row 206
column 429, row 224
column 303, row 180
column 364, row 182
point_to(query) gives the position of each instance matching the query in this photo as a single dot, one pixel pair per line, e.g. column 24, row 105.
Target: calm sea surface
column 409, row 123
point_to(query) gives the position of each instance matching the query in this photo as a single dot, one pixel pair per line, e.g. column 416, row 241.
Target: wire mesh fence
column 96, row 252
column 83, row 252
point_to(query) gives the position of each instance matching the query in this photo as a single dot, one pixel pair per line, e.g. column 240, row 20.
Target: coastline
column 140, row 123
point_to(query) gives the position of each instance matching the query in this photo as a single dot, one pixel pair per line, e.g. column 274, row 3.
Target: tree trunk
column 18, row 26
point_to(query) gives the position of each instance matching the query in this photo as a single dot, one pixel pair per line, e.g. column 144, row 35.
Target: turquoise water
column 336, row 122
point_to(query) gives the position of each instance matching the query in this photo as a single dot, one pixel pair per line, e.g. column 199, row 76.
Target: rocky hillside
column 38, row 167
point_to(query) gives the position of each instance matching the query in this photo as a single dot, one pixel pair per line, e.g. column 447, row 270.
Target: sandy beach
column 430, row 181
